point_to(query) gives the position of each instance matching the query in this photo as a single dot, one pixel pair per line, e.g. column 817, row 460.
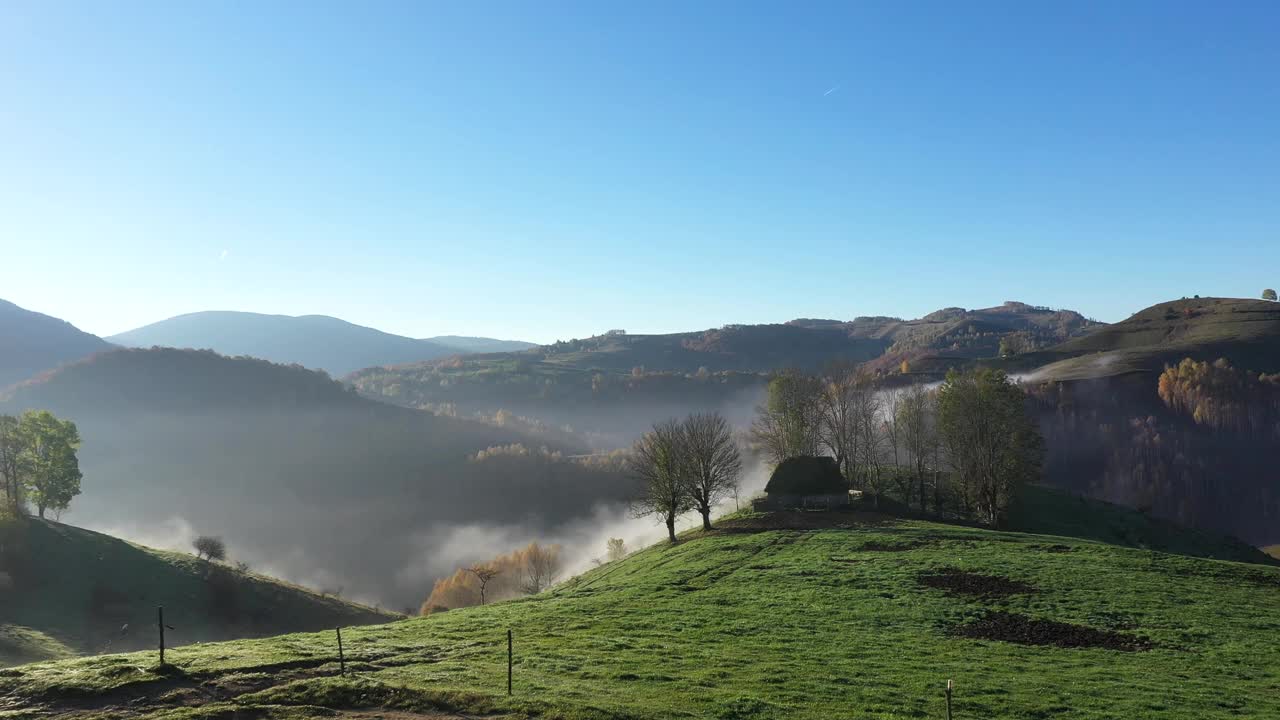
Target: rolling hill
column 619, row 383
column 72, row 591
column 863, row 617
column 1110, row 435
column 297, row 472
column 314, row 341
column 31, row 343
column 1247, row 332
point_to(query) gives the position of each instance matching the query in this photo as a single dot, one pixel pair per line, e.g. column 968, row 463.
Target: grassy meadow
column 70, row 591
column 864, row 621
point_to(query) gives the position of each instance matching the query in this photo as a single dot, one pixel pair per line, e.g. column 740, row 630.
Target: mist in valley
column 342, row 494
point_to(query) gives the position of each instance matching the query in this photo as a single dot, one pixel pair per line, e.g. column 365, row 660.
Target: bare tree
column 542, row 567
column 868, row 430
column 917, row 424
column 789, row 422
column 658, row 461
column 892, row 401
column 484, row 573
column 210, row 548
column 841, row 382
column 712, row 462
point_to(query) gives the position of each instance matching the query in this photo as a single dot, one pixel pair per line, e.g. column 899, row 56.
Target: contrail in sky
column 833, row 89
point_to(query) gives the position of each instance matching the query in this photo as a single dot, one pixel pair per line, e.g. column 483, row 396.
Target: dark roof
column 807, row 475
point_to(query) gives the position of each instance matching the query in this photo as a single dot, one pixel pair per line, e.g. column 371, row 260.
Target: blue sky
column 547, row 170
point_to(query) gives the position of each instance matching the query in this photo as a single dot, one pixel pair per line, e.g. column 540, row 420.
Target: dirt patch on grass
column 891, row 545
column 959, row 582
column 1020, row 629
column 805, row 520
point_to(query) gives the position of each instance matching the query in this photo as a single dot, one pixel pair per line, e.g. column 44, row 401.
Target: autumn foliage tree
column 1220, row 396
column 528, row 570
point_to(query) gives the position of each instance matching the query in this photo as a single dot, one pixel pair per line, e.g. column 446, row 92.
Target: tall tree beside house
column 992, row 443
column 917, row 425
column 53, row 470
column 658, row 462
column 868, row 428
column 842, row 385
column 789, row 423
column 1269, row 294
column 713, row 464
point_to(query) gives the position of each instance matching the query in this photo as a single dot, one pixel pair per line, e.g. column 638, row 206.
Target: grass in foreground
column 840, row 622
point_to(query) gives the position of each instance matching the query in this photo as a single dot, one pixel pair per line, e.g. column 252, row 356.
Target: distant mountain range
column 319, row 342
column 31, row 343
column 602, row 382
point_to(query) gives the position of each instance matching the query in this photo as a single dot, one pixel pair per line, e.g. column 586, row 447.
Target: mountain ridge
column 321, row 342
column 32, row 342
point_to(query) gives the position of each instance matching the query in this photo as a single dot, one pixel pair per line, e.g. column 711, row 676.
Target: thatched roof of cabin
column 807, row 475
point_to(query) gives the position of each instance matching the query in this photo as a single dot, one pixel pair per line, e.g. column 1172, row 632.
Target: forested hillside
column 618, row 383
column 309, row 479
column 1171, row 411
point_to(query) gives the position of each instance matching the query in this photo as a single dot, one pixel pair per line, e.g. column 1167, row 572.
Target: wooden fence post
column 948, row 700
column 160, row 626
column 509, row 648
column 342, row 660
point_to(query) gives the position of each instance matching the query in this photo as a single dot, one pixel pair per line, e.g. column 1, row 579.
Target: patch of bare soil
column 1020, row 629
column 401, row 715
column 892, row 546
column 806, row 520
column 959, row 582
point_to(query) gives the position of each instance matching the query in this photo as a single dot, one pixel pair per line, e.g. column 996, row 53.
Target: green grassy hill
column 773, row 616
column 70, row 591
column 1247, row 332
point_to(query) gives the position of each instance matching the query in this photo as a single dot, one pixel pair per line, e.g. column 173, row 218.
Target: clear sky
column 544, row 170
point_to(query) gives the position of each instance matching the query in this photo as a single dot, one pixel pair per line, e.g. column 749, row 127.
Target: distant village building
column 805, row 482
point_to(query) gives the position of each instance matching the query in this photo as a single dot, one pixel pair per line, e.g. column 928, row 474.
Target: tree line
column 962, row 448
column 38, row 463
